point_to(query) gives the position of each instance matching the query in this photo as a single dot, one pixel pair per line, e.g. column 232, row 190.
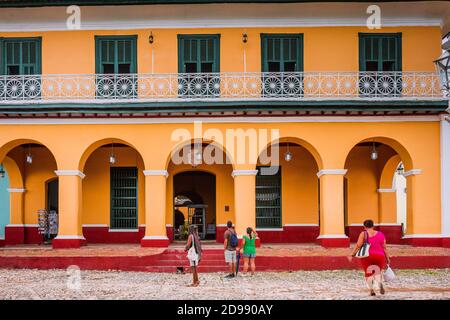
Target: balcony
column 298, row 86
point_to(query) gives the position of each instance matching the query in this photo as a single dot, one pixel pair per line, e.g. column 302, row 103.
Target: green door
column 116, row 66
column 282, row 62
column 198, row 60
column 124, row 190
column 380, row 58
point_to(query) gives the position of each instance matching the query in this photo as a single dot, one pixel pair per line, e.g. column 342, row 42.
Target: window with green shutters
column 116, row 66
column 198, row 60
column 268, row 200
column 124, row 201
column 282, row 52
column 20, row 56
column 282, row 62
column 380, row 52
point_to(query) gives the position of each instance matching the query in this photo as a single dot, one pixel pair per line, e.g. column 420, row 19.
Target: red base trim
column 446, row 242
column 103, row 235
column 334, row 242
column 14, row 235
column 393, row 233
column 424, row 242
column 291, row 234
column 220, row 231
column 164, row 243
column 170, row 233
column 67, row 243
column 2, row 243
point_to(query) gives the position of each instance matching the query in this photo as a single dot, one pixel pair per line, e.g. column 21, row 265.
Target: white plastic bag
column 389, row 275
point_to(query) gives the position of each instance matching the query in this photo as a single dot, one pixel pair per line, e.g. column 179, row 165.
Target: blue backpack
column 233, row 239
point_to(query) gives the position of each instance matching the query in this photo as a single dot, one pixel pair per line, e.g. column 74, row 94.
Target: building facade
column 112, row 123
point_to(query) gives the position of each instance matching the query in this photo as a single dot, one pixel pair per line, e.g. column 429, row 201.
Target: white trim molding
column 332, row 171
column 95, row 226
column 269, row 229
column 412, row 172
column 300, row 225
column 123, row 230
column 167, row 226
column 16, row 190
column 387, row 190
column 421, row 236
column 70, row 173
column 332, row 236
column 15, row 226
column 70, row 238
column 244, row 173
column 236, row 119
column 164, row 173
column 155, row 238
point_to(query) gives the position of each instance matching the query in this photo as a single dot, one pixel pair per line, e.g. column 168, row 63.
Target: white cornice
column 387, row 190
column 412, row 172
column 332, row 236
column 70, row 173
column 155, row 238
column 76, row 237
column 16, row 190
column 286, row 119
column 332, row 171
column 244, row 173
column 164, row 173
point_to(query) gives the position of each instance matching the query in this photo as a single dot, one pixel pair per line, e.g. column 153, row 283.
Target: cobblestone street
column 62, row 284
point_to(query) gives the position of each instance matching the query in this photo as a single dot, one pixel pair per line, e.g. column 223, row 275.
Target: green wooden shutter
column 199, row 53
column 124, row 202
column 380, row 52
column 20, row 56
column 116, row 54
column 268, row 200
column 282, row 52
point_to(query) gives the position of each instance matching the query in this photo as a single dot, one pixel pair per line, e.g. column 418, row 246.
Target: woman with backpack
column 249, row 248
column 194, row 253
column 374, row 261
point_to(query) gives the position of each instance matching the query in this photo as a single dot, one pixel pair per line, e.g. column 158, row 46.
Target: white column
column 445, row 175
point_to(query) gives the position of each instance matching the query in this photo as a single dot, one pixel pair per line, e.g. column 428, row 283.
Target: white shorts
column 230, row 256
column 193, row 263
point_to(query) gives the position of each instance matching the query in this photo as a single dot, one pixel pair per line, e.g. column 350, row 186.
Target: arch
column 394, row 144
column 308, row 146
column 14, row 173
column 387, row 178
column 178, row 147
column 7, row 147
column 97, row 144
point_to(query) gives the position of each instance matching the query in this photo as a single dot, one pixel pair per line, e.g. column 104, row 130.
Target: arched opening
column 287, row 201
column 201, row 189
column 29, row 165
column 113, row 192
column 375, row 188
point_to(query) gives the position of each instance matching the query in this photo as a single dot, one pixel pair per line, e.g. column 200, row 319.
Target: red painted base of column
column 67, row 243
column 424, row 242
column 334, row 242
column 14, row 235
column 170, row 233
column 160, row 243
column 446, row 242
column 2, row 243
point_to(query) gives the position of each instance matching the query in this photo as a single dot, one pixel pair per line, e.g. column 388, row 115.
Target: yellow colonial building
column 131, row 119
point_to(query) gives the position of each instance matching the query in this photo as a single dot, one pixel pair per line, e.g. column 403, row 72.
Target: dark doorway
column 52, row 195
column 195, row 189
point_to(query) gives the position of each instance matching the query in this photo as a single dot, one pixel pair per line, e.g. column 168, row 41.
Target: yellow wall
column 416, row 142
column 325, row 48
column 96, row 184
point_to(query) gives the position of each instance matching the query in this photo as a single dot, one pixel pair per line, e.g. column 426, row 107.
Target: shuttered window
column 20, row 56
column 282, row 52
column 198, row 53
column 268, row 200
column 380, row 52
column 115, row 55
column 124, row 200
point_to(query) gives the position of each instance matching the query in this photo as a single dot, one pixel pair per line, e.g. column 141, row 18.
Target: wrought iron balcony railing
column 228, row 86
